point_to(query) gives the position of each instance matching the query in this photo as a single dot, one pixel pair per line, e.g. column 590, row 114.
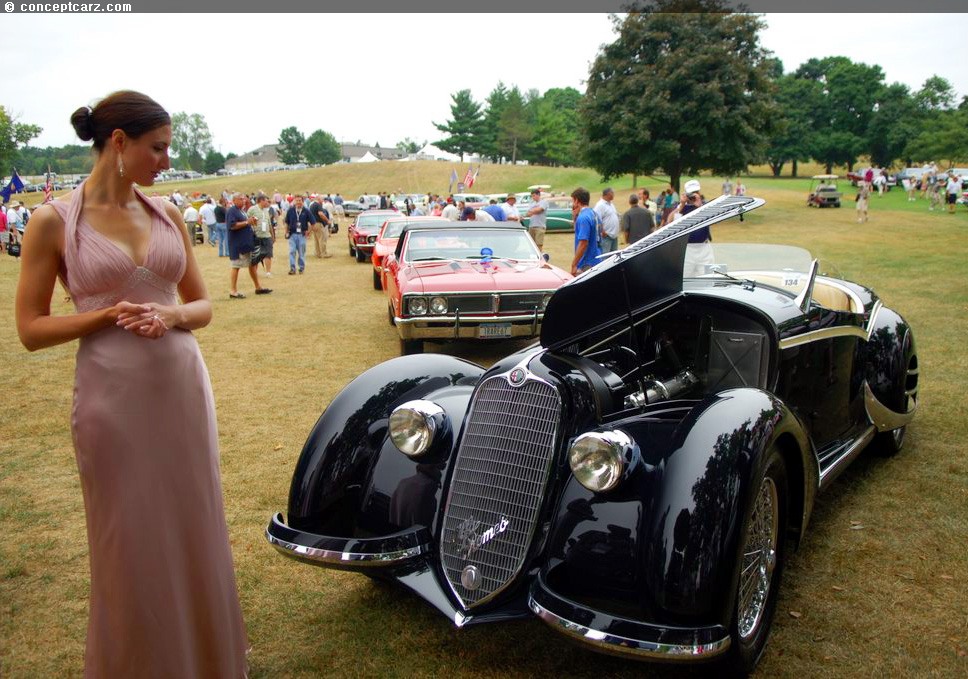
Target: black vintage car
column 635, row 479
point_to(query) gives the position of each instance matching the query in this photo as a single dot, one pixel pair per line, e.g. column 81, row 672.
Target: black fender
column 663, row 545
column 890, row 350
column 350, row 478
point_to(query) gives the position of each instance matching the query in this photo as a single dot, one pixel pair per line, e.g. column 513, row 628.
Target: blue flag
column 16, row 185
column 453, row 178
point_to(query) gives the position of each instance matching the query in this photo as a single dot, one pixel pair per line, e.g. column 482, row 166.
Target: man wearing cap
column 510, row 209
column 538, row 214
column 699, row 251
column 450, row 211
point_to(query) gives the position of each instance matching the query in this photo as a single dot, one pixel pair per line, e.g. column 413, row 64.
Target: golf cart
column 823, row 191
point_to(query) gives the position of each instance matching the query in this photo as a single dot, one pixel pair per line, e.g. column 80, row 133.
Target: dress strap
column 157, row 206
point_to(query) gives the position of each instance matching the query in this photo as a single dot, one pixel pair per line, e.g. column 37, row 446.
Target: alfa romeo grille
column 498, row 484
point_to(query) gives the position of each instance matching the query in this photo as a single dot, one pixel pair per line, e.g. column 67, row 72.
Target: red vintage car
column 363, row 232
column 386, row 242
column 460, row 280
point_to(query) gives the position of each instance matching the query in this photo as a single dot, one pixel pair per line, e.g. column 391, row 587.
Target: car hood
column 630, row 280
column 475, row 276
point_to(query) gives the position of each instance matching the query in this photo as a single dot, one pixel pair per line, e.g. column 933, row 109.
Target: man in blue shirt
column 241, row 242
column 495, row 211
column 586, row 232
column 298, row 221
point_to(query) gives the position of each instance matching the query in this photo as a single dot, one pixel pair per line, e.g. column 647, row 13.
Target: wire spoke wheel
column 759, row 559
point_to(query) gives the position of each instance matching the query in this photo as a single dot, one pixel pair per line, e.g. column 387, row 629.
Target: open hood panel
column 629, row 280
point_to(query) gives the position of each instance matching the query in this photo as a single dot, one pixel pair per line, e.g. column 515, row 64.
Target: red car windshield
column 473, row 243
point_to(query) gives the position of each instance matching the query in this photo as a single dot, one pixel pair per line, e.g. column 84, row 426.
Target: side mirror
column 546, row 257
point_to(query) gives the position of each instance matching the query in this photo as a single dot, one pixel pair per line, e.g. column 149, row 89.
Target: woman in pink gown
column 163, row 601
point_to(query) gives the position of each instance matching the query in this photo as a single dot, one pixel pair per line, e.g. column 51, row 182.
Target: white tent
column 431, row 151
column 368, row 158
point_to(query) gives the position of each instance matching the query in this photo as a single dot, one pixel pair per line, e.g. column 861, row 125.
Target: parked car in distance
column 364, row 230
column 471, row 198
column 559, row 214
column 386, row 241
column 460, row 280
column 369, row 201
column 636, row 479
column 351, row 208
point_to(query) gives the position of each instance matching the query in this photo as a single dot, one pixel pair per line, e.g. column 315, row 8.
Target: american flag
column 48, row 188
column 469, row 178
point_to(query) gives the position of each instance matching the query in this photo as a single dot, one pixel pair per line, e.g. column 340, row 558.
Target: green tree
column 557, row 135
column 684, row 92
column 798, row 101
column 291, row 143
column 894, row 123
column 848, row 102
column 945, row 139
column 408, row 145
column 495, row 103
column 514, row 126
column 191, row 139
column 935, row 95
column 214, row 161
column 13, row 135
column 321, row 148
column 465, row 126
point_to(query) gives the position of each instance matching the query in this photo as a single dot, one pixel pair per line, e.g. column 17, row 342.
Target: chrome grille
column 498, row 484
column 522, row 303
column 469, row 304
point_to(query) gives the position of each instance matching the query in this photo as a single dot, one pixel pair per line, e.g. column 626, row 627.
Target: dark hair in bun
column 130, row 111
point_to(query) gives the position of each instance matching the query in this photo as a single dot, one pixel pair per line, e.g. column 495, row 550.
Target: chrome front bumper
column 466, row 327
column 349, row 553
column 620, row 636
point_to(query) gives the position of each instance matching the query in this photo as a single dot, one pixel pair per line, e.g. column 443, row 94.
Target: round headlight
column 598, row 459
column 417, row 305
column 438, row 305
column 413, row 426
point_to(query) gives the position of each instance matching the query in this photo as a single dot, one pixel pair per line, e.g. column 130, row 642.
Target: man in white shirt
column 952, row 188
column 207, row 214
column 510, row 209
column 608, row 220
column 177, row 198
column 450, row 212
column 191, row 221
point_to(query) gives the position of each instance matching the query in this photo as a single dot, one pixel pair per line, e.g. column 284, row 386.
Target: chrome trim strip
column 618, row 645
column 467, row 318
column 376, row 559
column 825, row 333
column 840, row 464
column 871, row 321
column 471, row 293
column 883, row 417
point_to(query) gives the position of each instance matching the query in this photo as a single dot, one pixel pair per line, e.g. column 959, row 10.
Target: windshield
column 395, row 227
column 782, row 266
column 471, row 243
column 370, row 221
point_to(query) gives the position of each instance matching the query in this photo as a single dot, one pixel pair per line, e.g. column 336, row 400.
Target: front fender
column 662, row 546
column 342, row 486
column 890, row 350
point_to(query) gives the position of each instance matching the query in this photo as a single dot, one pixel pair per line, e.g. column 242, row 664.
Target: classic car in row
column 364, row 230
column 463, row 280
column 559, row 213
column 636, row 479
column 386, row 242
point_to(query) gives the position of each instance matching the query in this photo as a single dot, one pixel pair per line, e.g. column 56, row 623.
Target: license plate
column 494, row 330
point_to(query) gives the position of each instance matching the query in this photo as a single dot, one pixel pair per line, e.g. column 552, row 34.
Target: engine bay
column 686, row 349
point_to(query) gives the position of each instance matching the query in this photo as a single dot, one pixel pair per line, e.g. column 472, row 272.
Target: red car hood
column 474, row 276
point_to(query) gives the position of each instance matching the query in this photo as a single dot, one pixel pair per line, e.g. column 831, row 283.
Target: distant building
column 355, row 153
column 259, row 160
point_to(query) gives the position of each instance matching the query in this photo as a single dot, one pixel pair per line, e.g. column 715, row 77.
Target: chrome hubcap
column 759, row 559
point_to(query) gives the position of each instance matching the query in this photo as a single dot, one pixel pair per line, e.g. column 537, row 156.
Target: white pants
column 698, row 257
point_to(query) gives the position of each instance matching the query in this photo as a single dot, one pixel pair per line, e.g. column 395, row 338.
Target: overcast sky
column 380, row 78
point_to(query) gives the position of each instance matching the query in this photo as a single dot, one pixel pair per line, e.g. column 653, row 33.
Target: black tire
column 390, row 315
column 749, row 632
column 837, row 204
column 410, row 347
column 360, row 256
column 377, row 284
column 352, row 251
column 889, row 443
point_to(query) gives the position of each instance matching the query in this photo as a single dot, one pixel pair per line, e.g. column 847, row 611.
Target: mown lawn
column 877, row 588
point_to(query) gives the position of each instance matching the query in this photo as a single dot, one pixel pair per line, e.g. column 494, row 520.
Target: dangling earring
column 120, row 166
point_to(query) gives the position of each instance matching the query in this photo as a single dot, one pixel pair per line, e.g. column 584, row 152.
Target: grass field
column 876, row 589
